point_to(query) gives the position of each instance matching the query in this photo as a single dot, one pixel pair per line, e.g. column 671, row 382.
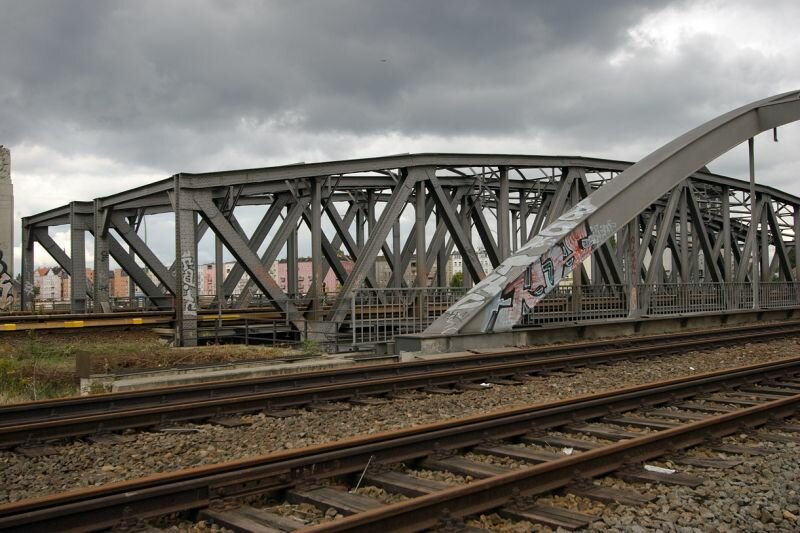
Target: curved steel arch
column 498, row 302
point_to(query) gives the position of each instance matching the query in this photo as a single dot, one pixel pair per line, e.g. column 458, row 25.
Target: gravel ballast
column 761, row 494
column 82, row 464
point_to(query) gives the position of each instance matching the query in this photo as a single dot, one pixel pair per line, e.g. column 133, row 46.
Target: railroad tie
column 405, row 484
column 327, row 497
column 554, row 517
column 252, row 519
column 464, row 467
column 610, row 494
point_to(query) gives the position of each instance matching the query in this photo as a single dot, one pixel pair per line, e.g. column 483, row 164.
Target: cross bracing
column 411, row 210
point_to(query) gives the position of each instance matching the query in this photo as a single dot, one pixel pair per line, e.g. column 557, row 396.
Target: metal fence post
column 353, row 316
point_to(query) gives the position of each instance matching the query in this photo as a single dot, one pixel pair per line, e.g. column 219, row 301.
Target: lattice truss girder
column 462, row 207
column 411, row 211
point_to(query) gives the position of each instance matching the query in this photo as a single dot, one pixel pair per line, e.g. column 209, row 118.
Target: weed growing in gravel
column 311, row 348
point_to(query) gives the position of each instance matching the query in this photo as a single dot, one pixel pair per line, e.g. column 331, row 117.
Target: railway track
column 558, row 445
column 34, row 423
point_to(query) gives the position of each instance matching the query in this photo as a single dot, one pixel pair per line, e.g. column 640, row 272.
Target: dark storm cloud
column 161, row 82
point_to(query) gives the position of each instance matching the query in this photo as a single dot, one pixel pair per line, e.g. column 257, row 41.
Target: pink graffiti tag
column 541, row 276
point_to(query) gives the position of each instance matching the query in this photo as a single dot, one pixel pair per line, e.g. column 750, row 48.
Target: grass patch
column 34, row 370
column 35, row 366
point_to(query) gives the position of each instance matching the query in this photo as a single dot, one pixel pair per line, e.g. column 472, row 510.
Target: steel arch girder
column 496, row 303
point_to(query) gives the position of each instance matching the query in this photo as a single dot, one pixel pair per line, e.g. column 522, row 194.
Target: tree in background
column 457, row 280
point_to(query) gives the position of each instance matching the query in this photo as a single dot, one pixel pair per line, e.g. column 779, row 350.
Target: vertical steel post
column 422, row 274
column 27, row 296
column 754, row 251
column 101, row 262
column 397, row 252
column 371, row 225
column 504, row 242
column 684, row 226
column 291, row 264
column 360, row 226
column 514, row 231
column 523, row 217
column 796, row 244
column 77, row 232
column 186, row 266
column 441, row 260
column 727, row 254
column 131, row 285
column 466, row 224
column 219, row 267
column 422, row 263
column 765, row 267
column 317, row 275
column 633, row 268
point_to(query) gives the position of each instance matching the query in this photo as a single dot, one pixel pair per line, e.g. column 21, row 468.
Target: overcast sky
column 100, row 96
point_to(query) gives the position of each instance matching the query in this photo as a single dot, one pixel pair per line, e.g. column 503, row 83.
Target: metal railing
column 592, row 303
column 377, row 315
column 569, row 303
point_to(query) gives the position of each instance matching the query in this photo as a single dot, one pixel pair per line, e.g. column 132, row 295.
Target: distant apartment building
column 457, row 262
column 48, row 281
column 304, row 275
column 119, row 284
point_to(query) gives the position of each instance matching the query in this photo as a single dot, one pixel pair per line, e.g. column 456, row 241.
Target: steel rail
column 424, row 512
column 48, row 409
column 35, row 422
column 102, row 507
column 44, row 420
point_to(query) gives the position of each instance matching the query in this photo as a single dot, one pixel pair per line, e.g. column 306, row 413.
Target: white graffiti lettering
column 6, row 286
column 189, row 285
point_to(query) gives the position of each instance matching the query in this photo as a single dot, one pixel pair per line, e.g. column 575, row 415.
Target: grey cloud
column 202, row 85
column 140, row 80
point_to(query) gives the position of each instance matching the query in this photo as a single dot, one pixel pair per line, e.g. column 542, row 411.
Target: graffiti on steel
column 6, row 287
column 538, row 278
column 495, row 304
column 189, row 285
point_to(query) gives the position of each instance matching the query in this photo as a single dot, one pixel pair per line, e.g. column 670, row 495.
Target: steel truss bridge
column 568, row 238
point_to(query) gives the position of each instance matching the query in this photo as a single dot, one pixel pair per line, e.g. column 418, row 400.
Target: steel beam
column 257, row 271
column 288, row 225
column 390, row 213
column 139, row 276
column 503, row 211
column 27, row 295
column 749, row 258
column 102, row 267
column 484, row 232
column 421, row 220
column 701, row 235
column 496, row 303
column 79, row 290
column 445, row 205
column 153, row 263
column 257, row 238
column 186, row 298
column 316, row 292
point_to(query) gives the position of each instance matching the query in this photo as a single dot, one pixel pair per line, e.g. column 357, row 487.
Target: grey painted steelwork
column 488, row 207
column 501, row 300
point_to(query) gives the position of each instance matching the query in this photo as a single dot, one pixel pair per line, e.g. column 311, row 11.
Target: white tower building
column 6, row 230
